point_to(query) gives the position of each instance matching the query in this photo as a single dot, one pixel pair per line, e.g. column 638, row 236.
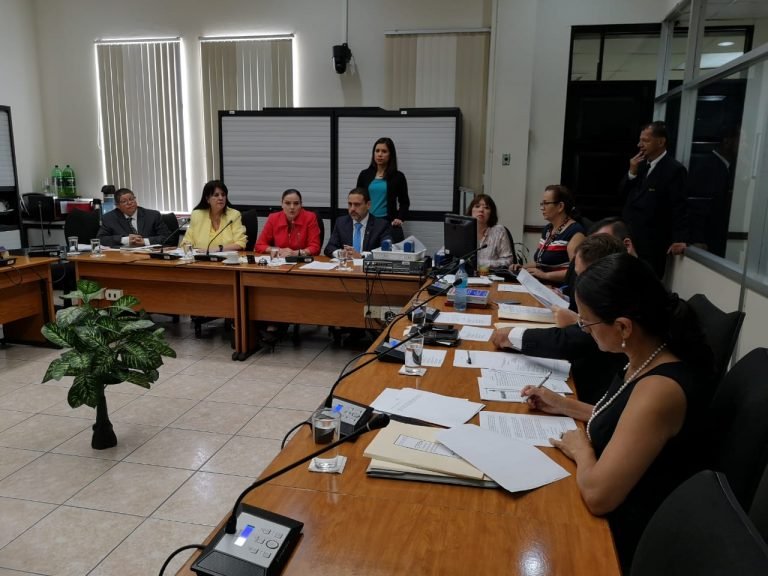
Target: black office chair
column 737, row 425
column 701, row 529
column 172, row 223
column 251, row 223
column 84, row 225
column 321, row 225
column 721, row 330
column 758, row 512
column 515, row 259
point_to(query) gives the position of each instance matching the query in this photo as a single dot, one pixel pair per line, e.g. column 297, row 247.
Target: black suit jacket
column 376, row 231
column 592, row 369
column 656, row 210
column 114, row 225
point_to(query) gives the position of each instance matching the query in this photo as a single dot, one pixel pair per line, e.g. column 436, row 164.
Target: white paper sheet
column 433, row 358
column 502, row 379
column 514, row 465
column 529, row 313
column 471, row 280
column 516, row 288
column 426, row 406
column 512, row 363
column 529, row 428
column 475, row 333
column 319, row 266
column 544, row 295
column 465, row 319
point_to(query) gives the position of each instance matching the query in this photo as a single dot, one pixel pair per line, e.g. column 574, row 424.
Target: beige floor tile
column 115, row 400
column 131, row 489
column 273, row 423
column 333, row 358
column 243, row 456
column 287, row 356
column 219, row 417
column 186, row 386
column 10, row 418
column 6, row 572
column 53, row 478
column 173, row 366
column 188, row 449
column 145, row 550
column 12, row 459
column 254, row 393
column 29, row 372
column 68, row 541
column 30, row 353
column 215, row 368
column 152, row 410
column 7, row 386
column 195, row 348
column 203, row 499
column 42, row 432
column 314, row 376
column 260, row 372
column 126, row 388
column 129, row 437
column 33, row 398
column 18, row 515
column 298, row 397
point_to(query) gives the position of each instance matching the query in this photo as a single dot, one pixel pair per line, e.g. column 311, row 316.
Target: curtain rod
column 441, row 31
column 254, row 37
column 135, row 40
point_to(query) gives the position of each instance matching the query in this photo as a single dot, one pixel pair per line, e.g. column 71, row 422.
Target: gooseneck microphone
column 454, row 263
column 162, row 255
column 378, row 421
column 207, row 257
column 441, row 291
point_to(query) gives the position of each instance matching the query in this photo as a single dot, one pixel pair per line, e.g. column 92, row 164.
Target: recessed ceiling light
column 726, row 43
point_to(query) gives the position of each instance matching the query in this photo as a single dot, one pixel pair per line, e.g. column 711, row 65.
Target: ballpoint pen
column 546, row 377
column 469, row 358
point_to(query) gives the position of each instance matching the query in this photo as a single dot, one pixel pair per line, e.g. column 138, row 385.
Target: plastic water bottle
column 69, row 182
column 56, row 180
column 460, row 294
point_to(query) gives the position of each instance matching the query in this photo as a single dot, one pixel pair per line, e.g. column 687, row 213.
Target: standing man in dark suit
column 131, row 225
column 359, row 229
column 655, row 207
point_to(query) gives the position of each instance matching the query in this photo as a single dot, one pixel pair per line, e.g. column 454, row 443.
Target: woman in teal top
column 387, row 186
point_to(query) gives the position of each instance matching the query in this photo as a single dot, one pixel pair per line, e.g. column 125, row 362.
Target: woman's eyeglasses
column 546, row 203
column 581, row 324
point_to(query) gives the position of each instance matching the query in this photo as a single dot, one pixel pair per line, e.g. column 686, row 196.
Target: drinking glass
column 72, row 246
column 344, row 260
column 274, row 254
column 414, row 348
column 96, row 248
column 326, row 427
column 188, row 249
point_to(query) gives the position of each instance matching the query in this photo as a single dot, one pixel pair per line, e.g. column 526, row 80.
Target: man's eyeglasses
column 127, row 200
column 583, row 326
column 545, row 203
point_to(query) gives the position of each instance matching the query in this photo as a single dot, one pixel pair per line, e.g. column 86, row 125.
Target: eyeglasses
column 545, row 203
column 127, row 200
column 583, row 326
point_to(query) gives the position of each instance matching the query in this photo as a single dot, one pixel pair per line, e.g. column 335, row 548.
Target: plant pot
column 103, row 434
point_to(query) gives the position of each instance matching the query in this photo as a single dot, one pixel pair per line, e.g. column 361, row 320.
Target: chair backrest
column 721, row 330
column 251, row 223
column 321, row 225
column 737, row 435
column 84, row 225
column 700, row 529
column 170, row 221
column 515, row 259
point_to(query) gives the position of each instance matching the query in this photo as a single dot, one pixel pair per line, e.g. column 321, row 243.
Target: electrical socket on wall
column 113, row 294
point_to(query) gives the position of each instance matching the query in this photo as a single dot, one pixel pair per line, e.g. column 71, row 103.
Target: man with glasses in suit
column 131, row 225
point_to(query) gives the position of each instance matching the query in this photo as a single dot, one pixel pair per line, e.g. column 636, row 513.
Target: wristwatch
column 221, row 247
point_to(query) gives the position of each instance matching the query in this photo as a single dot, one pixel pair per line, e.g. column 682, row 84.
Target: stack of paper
column 546, row 296
column 426, row 406
column 518, row 363
column 529, row 428
column 504, row 386
column 529, row 313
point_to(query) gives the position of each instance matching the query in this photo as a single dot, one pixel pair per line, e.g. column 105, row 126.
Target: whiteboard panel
column 426, row 154
column 6, row 157
column 264, row 155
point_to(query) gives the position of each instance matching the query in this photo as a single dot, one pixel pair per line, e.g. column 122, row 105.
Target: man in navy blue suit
column 359, row 230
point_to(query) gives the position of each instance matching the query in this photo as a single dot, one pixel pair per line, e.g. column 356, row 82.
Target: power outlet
column 377, row 312
column 506, row 159
column 113, row 294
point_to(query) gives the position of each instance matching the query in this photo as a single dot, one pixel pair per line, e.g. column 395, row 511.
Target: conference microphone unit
column 256, row 541
column 163, row 255
column 453, row 263
column 299, row 259
column 442, row 289
column 208, row 257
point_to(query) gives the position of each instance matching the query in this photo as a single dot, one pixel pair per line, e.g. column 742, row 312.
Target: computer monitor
column 460, row 240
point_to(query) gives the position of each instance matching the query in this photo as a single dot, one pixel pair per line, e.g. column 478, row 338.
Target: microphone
column 454, row 263
column 218, row 556
column 440, row 291
column 207, row 257
column 161, row 255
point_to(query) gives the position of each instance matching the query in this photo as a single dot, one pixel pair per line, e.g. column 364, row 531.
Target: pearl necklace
column 599, row 407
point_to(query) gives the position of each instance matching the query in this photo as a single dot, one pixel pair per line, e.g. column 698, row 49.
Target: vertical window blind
column 142, row 120
column 445, row 69
column 242, row 74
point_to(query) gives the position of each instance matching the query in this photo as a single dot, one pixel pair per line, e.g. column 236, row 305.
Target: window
column 141, row 120
column 242, row 74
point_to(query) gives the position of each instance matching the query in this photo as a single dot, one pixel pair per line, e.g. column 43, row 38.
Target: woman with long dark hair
column 214, row 223
column 638, row 442
column 387, row 187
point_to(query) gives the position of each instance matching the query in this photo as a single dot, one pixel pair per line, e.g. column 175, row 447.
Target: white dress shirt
column 364, row 222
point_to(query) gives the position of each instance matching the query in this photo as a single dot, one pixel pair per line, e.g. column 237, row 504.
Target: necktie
column 131, row 226
column 357, row 238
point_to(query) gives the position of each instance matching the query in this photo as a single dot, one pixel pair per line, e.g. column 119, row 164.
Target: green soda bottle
column 69, row 184
column 56, row 181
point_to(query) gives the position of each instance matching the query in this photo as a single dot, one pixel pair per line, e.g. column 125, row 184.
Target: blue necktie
column 357, row 238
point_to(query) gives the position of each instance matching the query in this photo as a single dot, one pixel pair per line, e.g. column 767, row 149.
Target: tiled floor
column 185, row 449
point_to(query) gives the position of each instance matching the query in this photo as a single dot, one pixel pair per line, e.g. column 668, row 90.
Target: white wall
column 20, row 89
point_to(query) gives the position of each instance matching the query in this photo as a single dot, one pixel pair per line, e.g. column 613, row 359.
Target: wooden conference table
column 247, row 292
column 372, row 526
column 26, row 300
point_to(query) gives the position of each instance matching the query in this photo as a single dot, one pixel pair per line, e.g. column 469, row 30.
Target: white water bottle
column 460, row 291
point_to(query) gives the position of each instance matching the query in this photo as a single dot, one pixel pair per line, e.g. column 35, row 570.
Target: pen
column 469, row 358
column 546, row 377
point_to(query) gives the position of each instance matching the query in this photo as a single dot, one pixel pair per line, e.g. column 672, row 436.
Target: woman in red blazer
column 293, row 230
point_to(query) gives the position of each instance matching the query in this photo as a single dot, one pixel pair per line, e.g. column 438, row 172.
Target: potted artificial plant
column 105, row 345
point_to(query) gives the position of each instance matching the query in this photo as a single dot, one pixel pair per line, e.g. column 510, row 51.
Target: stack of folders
column 409, row 452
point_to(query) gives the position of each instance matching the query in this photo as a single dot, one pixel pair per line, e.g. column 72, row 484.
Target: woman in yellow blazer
column 214, row 215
